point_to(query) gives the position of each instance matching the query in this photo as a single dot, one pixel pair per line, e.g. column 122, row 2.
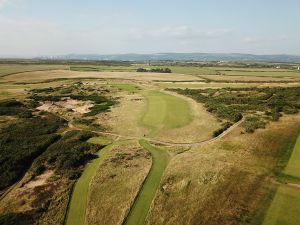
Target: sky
column 42, row 28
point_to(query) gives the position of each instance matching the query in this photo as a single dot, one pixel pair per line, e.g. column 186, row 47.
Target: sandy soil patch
column 39, row 180
column 68, row 104
column 294, row 185
column 24, row 195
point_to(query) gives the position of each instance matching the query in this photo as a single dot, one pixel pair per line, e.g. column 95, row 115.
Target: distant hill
column 181, row 56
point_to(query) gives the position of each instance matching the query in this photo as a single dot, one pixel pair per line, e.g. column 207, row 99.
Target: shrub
column 252, row 123
column 14, row 108
column 22, row 142
column 68, row 154
column 224, row 127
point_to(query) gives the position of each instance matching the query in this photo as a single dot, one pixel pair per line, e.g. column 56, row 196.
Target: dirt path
column 168, row 143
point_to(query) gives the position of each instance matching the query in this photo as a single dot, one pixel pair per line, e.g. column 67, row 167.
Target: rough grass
column 6, row 69
column 141, row 206
column 202, row 85
column 268, row 73
column 245, row 78
column 116, row 184
column 126, row 87
column 224, row 182
column 43, row 76
column 165, row 111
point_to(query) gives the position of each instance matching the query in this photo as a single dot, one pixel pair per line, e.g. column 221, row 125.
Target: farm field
column 105, row 144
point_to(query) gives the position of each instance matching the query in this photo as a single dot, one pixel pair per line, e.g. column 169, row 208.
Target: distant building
column 277, row 67
column 298, row 68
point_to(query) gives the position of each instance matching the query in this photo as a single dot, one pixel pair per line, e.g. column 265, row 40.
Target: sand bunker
column 68, row 104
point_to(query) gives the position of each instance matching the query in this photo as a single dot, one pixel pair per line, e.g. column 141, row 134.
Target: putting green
column 77, row 207
column 165, row 111
column 141, row 206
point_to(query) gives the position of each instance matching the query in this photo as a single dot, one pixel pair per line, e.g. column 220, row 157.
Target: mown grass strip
column 285, row 207
column 141, row 206
column 77, row 207
column 293, row 166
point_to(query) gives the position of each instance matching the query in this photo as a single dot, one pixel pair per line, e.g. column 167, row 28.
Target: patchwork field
column 196, row 143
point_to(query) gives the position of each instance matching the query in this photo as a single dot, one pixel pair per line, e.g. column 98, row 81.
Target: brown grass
column 223, row 182
column 249, row 78
column 124, row 117
column 55, row 74
column 34, row 193
column 116, row 184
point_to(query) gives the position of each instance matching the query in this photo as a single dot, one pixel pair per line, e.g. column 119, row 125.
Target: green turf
column 141, row 206
column 77, row 207
column 165, row 111
column 293, row 166
column 126, row 87
column 100, row 140
column 285, row 208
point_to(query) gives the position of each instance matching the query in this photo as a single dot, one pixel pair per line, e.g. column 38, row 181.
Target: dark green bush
column 13, row 107
column 252, row 123
column 22, row 142
column 224, row 127
column 68, row 154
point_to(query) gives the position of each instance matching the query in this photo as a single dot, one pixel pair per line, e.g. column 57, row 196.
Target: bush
column 21, row 218
column 224, row 127
column 22, row 142
column 68, row 154
column 231, row 103
column 252, row 123
column 154, row 70
column 14, row 108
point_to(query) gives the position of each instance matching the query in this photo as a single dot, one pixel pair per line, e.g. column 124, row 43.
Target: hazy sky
column 54, row 27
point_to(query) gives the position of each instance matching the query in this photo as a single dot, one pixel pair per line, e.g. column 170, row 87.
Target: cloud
column 3, row 2
column 177, row 32
column 260, row 40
